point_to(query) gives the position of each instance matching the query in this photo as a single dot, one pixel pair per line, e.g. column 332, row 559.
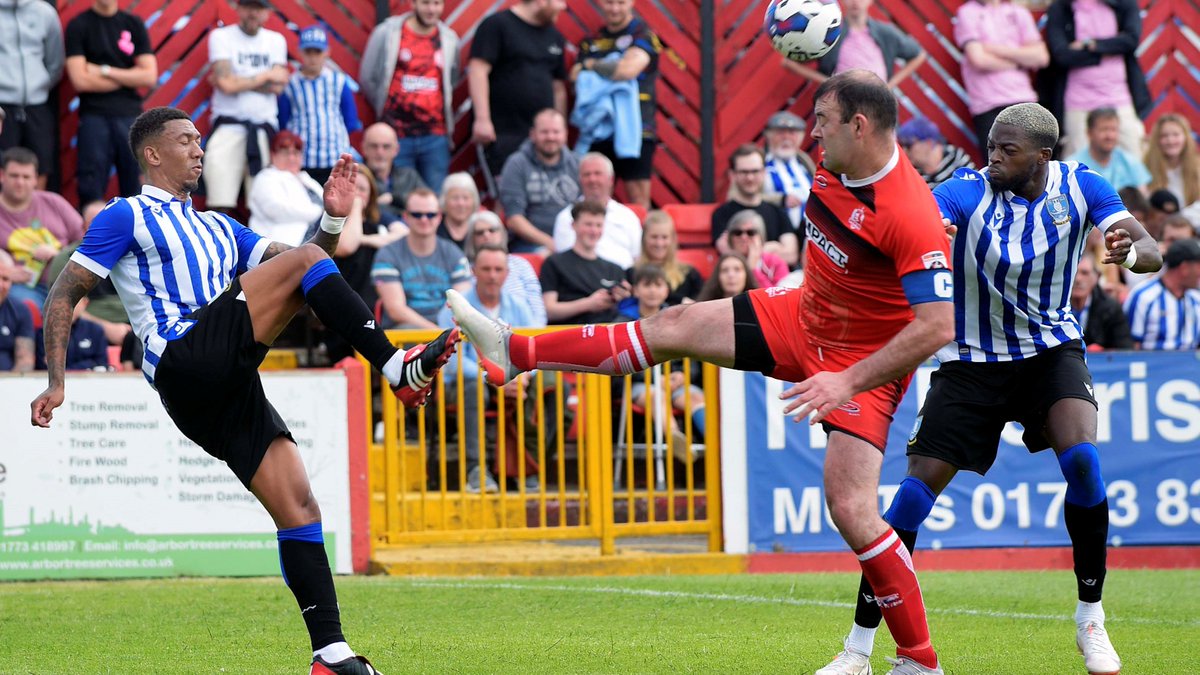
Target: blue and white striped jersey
column 321, row 111
column 167, row 260
column 1159, row 320
column 1014, row 261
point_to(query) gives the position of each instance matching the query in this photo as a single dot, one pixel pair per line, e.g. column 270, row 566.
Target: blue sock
column 317, row 272
column 911, row 505
column 698, row 422
column 1080, row 465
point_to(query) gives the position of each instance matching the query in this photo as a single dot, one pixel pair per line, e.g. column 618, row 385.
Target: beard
column 190, row 186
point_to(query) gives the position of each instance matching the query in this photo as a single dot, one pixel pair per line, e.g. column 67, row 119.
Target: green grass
column 982, row 622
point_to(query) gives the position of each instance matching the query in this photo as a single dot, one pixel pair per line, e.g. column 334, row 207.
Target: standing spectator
column 108, row 59
column 1164, row 313
column 621, row 242
column 16, row 324
column 577, row 285
column 731, row 277
column 1103, row 155
column 318, row 106
column 626, row 50
column 1000, row 44
column 483, row 228
column 930, row 154
column 408, row 74
column 746, row 232
column 413, row 274
column 380, row 146
column 537, row 182
column 660, row 246
column 34, row 224
column 1172, row 159
column 1103, row 321
column 515, row 71
column 249, row 70
column 285, row 201
column 460, row 200
column 868, row 44
column 31, row 58
column 746, row 170
column 1093, row 51
column 789, row 169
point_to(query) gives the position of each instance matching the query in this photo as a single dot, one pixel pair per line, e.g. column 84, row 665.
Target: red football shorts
column 797, row 357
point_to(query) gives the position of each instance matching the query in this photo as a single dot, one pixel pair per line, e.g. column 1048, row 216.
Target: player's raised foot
column 421, row 366
column 906, row 666
column 490, row 338
column 849, row 662
column 1099, row 657
column 355, row 665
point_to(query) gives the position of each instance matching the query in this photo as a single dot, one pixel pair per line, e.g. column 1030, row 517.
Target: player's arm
column 73, row 283
column 1129, row 235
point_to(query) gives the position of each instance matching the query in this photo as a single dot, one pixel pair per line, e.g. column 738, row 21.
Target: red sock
column 888, row 566
column 617, row 349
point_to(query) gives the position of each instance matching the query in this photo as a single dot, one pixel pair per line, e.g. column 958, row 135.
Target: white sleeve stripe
column 89, row 264
column 257, row 253
column 1114, row 218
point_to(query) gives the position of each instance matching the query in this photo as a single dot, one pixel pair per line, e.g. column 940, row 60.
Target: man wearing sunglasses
column 413, row 274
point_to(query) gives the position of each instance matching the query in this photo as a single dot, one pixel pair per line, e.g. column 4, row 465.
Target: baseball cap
column 314, row 37
column 261, row 3
column 786, row 120
column 1164, row 200
column 1184, row 250
column 286, row 139
column 918, row 129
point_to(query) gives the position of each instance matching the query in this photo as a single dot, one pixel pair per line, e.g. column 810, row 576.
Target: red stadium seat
column 693, row 223
column 535, row 261
column 35, row 313
column 703, row 259
column 114, row 357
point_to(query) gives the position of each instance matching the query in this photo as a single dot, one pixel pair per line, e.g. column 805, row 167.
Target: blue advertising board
column 1149, row 440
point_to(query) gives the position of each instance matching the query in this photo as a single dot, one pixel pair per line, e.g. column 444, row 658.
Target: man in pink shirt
column 868, row 44
column 1001, row 45
column 1093, row 45
column 34, row 224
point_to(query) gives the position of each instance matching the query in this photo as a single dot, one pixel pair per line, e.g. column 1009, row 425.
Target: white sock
column 861, row 640
column 1089, row 612
column 393, row 370
column 338, row 651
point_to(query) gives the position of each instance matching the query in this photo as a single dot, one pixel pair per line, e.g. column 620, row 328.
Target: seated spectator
column 927, row 149
column 731, row 277
column 32, row 60
column 490, row 296
column 746, row 170
column 318, row 106
column 1164, row 313
column 284, row 200
column 746, row 233
column 87, row 348
column 380, row 146
column 34, row 225
column 413, row 274
column 1175, row 228
column 578, row 286
column 104, row 306
column 788, row 179
column 131, row 353
column 16, row 324
column 1137, row 205
column 1105, row 157
column 1102, row 319
column 622, row 239
column 484, row 228
column 537, row 181
column 460, row 200
column 1172, row 159
column 660, row 246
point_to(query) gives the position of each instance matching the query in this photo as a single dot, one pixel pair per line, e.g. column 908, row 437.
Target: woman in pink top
column 747, row 232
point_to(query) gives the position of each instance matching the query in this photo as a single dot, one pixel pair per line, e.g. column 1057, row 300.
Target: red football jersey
column 863, row 235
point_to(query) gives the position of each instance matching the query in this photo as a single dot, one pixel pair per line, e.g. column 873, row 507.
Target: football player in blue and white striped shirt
column 1019, row 229
column 207, row 296
column 1164, row 313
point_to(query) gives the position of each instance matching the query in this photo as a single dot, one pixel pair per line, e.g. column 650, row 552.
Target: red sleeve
column 915, row 239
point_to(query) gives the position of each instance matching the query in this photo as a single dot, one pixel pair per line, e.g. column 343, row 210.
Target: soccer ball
column 803, row 30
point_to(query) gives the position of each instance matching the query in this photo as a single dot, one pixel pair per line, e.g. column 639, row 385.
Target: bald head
column 380, row 145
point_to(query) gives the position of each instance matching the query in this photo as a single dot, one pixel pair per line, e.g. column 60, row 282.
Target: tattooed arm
column 327, row 242
column 72, row 284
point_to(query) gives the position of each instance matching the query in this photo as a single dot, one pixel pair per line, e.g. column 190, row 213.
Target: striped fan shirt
column 322, row 113
column 1159, row 320
column 788, row 177
column 1014, row 261
column 167, row 260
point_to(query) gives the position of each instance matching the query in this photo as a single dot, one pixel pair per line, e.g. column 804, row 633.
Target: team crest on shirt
column 624, row 41
column 857, row 216
column 820, row 181
column 405, row 54
column 934, row 260
column 1059, row 209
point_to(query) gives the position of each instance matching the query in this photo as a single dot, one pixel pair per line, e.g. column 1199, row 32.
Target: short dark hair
column 1133, row 199
column 1099, row 115
column 588, row 206
column 745, row 150
column 150, row 124
column 648, row 273
column 420, row 191
column 19, row 155
column 857, row 92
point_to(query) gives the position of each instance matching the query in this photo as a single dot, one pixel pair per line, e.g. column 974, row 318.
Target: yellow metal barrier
column 592, row 480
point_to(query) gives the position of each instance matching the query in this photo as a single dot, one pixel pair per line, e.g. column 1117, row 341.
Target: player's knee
column 311, row 254
column 911, row 505
column 847, row 511
column 1080, row 466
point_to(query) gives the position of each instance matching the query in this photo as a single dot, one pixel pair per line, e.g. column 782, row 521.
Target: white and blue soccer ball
column 803, row 30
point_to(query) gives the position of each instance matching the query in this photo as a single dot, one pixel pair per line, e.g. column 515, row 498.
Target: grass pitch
column 982, row 622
